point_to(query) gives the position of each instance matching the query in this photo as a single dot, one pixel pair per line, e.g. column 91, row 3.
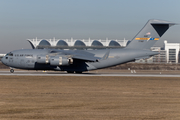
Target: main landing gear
column 77, row 72
column 70, row 71
column 12, row 70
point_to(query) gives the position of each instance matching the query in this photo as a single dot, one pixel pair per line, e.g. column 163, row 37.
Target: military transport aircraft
column 85, row 60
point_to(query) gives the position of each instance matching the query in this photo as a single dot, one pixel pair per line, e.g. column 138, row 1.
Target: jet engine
column 43, row 59
column 60, row 61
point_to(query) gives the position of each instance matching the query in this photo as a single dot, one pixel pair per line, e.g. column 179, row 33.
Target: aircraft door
column 10, row 59
column 22, row 63
column 30, row 63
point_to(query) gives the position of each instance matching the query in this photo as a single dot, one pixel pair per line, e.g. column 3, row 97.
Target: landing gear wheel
column 70, row 71
column 78, row 72
column 12, row 70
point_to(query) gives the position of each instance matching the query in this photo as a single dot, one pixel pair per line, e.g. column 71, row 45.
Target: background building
column 77, row 43
column 168, row 54
column 161, row 57
column 2, row 55
column 172, row 52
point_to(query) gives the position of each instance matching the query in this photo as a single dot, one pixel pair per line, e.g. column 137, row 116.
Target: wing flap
column 86, row 58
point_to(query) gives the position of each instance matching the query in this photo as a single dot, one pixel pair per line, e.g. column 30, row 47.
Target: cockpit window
column 9, row 54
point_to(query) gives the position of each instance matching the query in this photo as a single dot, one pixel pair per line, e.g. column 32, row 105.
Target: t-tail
column 149, row 34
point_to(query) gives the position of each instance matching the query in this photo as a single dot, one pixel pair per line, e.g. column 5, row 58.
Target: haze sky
column 97, row 19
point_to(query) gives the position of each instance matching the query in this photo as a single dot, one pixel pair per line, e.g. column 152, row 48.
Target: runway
column 43, row 73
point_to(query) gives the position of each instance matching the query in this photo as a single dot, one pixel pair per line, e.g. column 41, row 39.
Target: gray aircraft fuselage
column 27, row 59
column 85, row 60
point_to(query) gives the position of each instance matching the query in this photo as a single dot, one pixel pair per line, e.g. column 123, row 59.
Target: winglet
column 106, row 55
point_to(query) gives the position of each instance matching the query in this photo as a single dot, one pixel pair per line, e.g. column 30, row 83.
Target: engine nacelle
column 60, row 61
column 43, row 59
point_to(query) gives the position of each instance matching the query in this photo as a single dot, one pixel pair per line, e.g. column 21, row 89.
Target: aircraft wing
column 85, row 58
column 79, row 54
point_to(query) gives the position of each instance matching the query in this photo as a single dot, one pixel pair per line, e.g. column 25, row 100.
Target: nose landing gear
column 12, row 70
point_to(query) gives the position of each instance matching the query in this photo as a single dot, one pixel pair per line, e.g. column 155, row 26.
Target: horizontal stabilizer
column 144, row 58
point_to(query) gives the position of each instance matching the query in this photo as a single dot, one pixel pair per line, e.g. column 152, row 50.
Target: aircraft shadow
column 73, row 73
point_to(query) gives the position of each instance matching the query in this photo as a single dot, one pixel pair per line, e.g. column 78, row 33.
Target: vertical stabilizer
column 149, row 34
